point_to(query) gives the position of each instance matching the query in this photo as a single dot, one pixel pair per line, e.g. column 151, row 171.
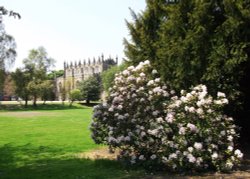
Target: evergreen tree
column 143, row 31
column 197, row 42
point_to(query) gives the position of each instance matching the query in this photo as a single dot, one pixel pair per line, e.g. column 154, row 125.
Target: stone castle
column 76, row 72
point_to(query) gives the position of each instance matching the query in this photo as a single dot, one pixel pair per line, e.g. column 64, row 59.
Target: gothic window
column 97, row 70
column 68, row 73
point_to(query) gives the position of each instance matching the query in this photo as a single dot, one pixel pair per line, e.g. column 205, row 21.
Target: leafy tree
column 34, row 87
column 108, row 76
column 38, row 65
column 9, row 86
column 91, row 89
column 63, row 94
column 47, row 90
column 7, row 46
column 55, row 74
column 21, row 80
column 39, row 61
column 74, row 95
column 4, row 11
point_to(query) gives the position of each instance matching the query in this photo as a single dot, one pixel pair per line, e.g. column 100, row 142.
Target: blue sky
column 70, row 29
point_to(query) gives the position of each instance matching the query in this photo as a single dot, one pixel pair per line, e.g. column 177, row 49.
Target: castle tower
column 77, row 71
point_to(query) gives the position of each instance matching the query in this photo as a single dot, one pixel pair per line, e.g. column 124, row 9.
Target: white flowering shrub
column 133, row 114
column 152, row 127
column 203, row 138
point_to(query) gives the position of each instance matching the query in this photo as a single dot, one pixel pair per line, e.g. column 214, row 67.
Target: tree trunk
column 34, row 101
column 87, row 101
column 70, row 104
column 26, row 102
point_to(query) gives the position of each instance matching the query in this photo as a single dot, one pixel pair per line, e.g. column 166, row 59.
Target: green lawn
column 46, row 143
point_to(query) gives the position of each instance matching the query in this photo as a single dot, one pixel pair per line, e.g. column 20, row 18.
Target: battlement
column 99, row 61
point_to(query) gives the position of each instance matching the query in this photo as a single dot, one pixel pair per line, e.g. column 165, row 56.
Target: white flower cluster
column 203, row 134
column 150, row 125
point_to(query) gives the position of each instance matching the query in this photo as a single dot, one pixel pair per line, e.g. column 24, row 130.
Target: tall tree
column 143, row 31
column 7, row 46
column 21, row 79
column 206, row 42
column 198, row 42
column 47, row 90
column 38, row 65
column 9, row 86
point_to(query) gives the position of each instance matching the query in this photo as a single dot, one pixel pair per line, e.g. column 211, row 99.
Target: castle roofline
column 94, row 61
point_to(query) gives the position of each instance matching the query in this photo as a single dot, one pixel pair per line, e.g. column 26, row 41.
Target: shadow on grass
column 43, row 162
column 28, row 161
column 39, row 107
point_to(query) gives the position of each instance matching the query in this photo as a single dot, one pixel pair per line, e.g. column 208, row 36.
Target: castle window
column 68, row 73
column 96, row 70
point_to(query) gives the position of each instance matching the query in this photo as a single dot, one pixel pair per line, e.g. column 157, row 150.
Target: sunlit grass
column 45, row 142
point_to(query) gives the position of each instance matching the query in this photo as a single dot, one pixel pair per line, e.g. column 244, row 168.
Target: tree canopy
column 21, row 78
column 32, row 80
column 7, row 46
column 196, row 42
column 91, row 88
column 74, row 95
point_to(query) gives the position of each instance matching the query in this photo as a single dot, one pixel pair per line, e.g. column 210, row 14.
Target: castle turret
column 102, row 56
column 116, row 60
column 64, row 65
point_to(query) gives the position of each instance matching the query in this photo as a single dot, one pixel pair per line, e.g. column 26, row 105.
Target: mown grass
column 45, row 142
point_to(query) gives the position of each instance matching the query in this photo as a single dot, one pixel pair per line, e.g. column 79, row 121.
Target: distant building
column 76, row 72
